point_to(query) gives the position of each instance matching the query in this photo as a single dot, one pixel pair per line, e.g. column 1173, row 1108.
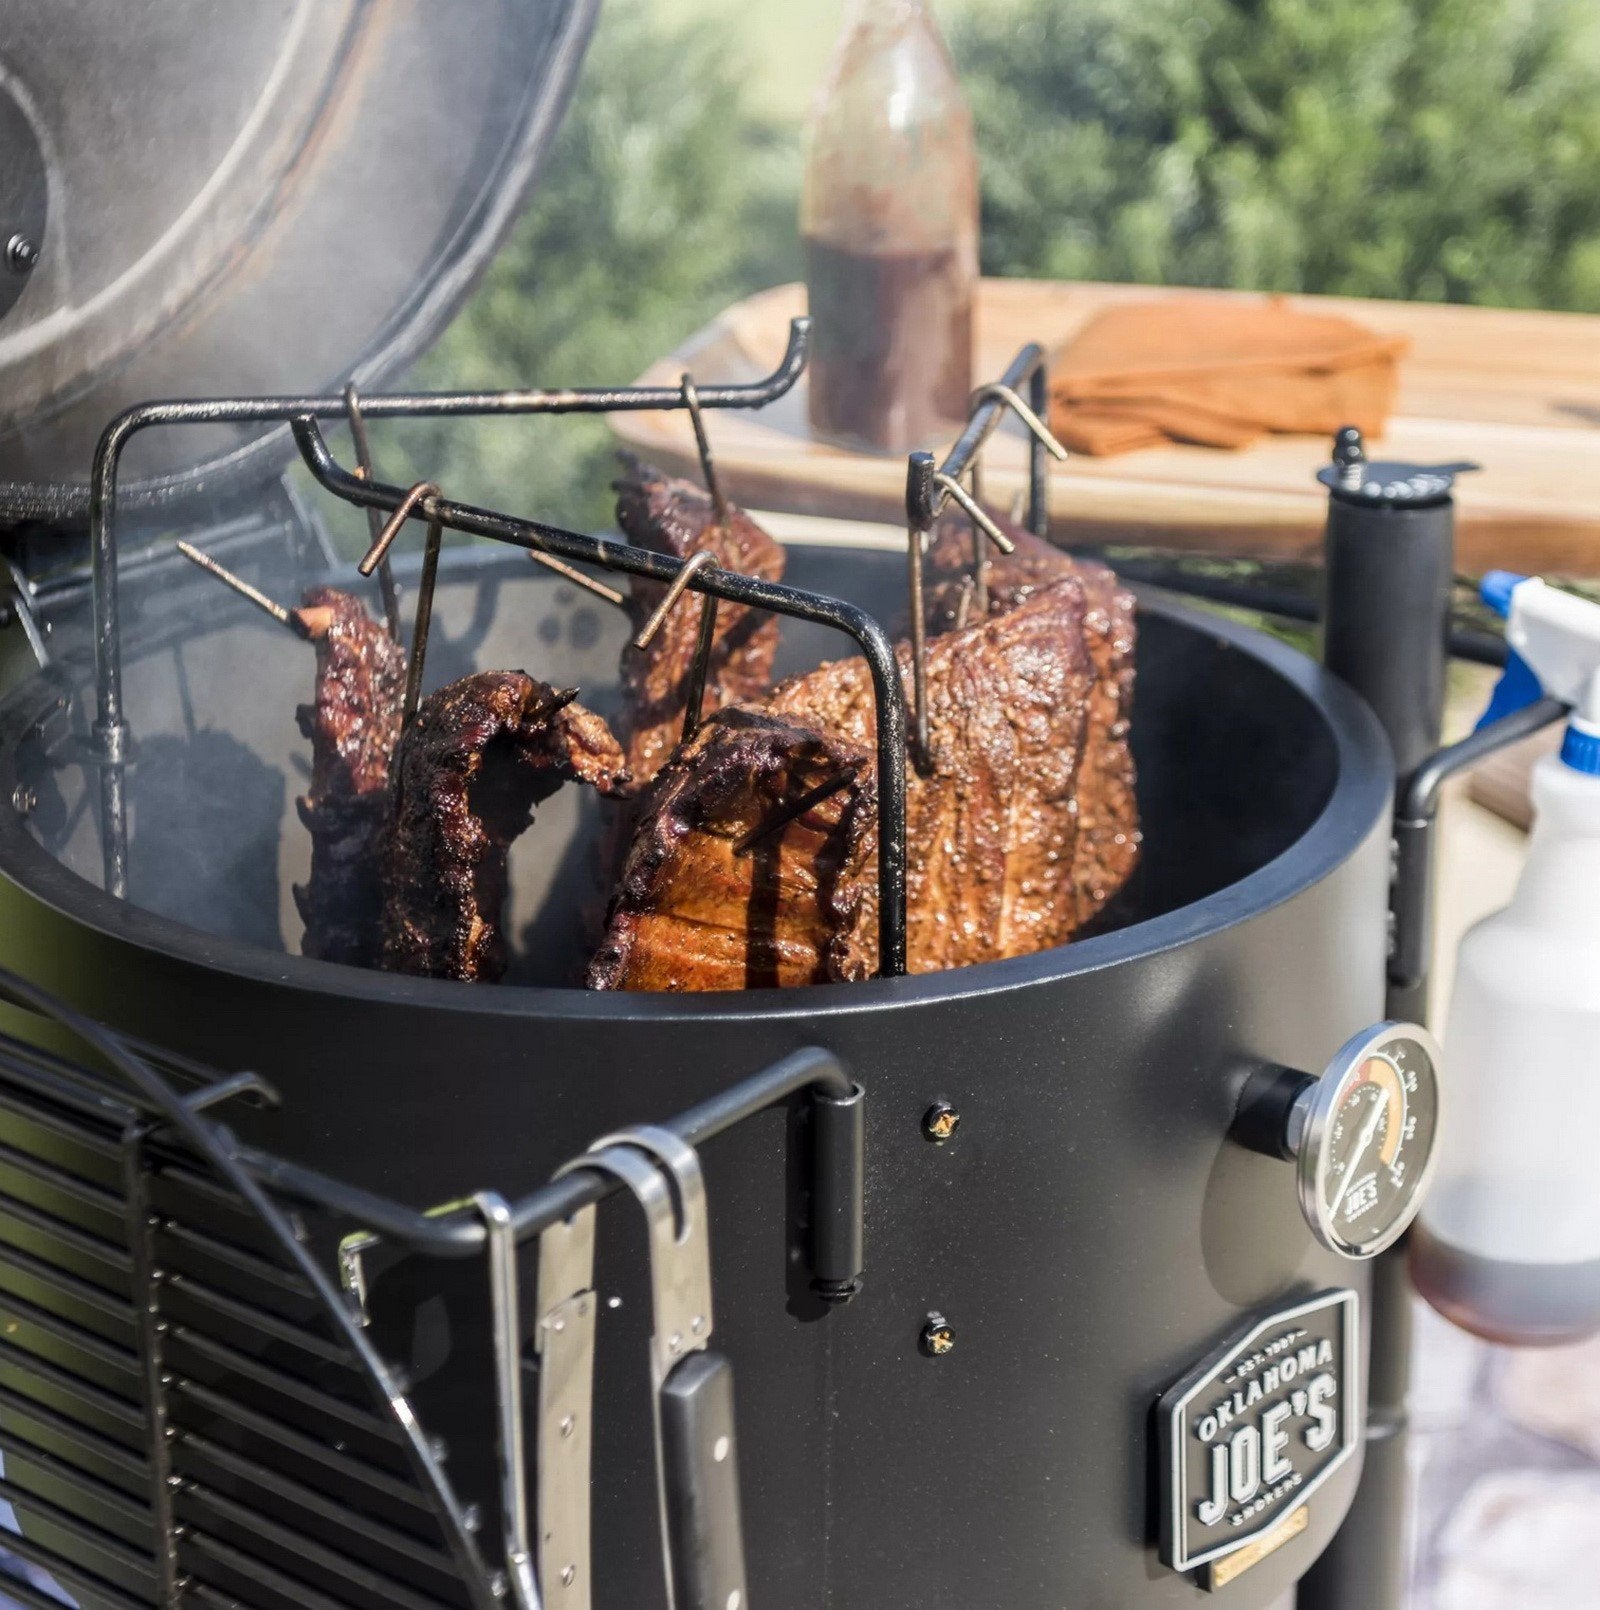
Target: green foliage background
column 1426, row 149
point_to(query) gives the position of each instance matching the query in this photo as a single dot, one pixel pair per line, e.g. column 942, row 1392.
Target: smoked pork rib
column 1108, row 807
column 992, row 829
column 672, row 516
column 353, row 723
column 749, row 863
column 479, row 755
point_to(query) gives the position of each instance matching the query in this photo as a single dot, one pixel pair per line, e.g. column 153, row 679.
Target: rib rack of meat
column 750, row 863
column 675, row 517
column 992, row 825
column 1108, row 808
column 353, row 722
column 476, row 759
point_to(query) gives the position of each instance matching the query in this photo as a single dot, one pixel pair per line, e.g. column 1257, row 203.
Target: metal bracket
column 692, row 1402
column 680, row 1253
column 564, row 1341
column 506, row 1323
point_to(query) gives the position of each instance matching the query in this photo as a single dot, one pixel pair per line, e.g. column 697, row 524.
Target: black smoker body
column 1088, row 1233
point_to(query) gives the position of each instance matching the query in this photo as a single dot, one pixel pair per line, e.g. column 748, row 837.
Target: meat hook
column 1006, row 394
column 306, row 623
column 708, row 468
column 387, row 585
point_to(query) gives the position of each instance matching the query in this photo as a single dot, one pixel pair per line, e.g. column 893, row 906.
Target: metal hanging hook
column 423, row 496
column 916, row 546
column 980, row 551
column 387, row 586
column 27, row 615
column 384, row 540
column 1041, row 432
column 691, row 567
column 702, row 442
column 792, row 810
column 976, row 514
column 310, row 624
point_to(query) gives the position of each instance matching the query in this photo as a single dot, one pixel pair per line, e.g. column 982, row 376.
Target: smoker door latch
column 696, row 1463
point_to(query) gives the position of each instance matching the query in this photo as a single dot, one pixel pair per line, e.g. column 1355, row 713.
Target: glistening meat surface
column 992, row 826
column 675, row 517
column 748, row 866
column 1108, row 806
column 353, row 722
column 480, row 754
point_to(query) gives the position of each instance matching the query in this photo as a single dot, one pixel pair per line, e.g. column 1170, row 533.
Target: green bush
column 666, row 197
column 1436, row 150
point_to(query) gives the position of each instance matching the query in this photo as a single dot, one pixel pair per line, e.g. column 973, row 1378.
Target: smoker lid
column 258, row 196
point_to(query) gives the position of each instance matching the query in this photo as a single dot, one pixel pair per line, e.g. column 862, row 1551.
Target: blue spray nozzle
column 1518, row 687
column 1496, row 589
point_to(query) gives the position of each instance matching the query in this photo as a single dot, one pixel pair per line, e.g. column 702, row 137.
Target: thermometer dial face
column 1367, row 1139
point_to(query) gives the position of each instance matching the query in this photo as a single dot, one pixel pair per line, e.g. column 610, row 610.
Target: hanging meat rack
column 931, row 484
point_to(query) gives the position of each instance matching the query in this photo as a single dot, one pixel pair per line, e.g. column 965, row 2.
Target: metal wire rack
column 170, row 1380
column 931, row 484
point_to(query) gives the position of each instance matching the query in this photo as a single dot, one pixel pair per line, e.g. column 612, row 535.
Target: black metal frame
column 924, row 499
column 172, row 1101
column 303, row 414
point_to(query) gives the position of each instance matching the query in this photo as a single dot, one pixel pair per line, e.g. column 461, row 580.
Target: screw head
column 938, row 1336
column 21, row 254
column 940, row 1122
column 23, row 800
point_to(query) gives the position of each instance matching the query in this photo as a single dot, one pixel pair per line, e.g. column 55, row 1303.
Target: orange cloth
column 1218, row 372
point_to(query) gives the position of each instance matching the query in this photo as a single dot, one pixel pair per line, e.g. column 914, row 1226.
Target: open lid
column 240, row 197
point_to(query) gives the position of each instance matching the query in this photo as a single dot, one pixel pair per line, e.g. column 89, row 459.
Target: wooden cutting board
column 1517, row 392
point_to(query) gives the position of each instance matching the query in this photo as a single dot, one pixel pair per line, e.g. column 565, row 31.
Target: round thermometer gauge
column 1363, row 1138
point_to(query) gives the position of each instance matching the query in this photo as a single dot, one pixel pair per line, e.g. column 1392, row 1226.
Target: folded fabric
column 1218, row 372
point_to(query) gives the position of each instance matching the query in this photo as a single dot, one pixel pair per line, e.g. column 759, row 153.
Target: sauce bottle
column 889, row 219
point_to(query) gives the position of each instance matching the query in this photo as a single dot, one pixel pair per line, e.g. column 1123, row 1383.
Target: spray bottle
column 1508, row 1242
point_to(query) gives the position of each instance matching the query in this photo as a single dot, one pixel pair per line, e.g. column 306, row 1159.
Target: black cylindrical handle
column 838, row 1193
column 1386, row 620
column 700, row 1473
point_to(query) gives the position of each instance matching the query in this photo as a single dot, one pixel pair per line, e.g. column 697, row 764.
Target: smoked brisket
column 1108, row 807
column 749, row 863
column 353, row 722
column 992, row 825
column 675, row 517
column 480, row 754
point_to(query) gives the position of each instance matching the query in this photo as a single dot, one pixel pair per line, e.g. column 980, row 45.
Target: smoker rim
column 1361, row 798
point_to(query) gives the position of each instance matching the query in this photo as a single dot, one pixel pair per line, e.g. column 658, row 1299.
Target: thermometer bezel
column 1311, row 1123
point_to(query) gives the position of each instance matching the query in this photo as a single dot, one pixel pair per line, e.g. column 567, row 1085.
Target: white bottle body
column 1508, row 1242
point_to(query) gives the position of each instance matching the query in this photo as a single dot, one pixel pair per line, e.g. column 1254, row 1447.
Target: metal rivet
column 697, row 1324
column 938, row 1336
column 569, row 1575
column 735, row 1600
column 940, row 1122
column 24, row 801
column 675, row 1343
column 568, row 1425
column 720, row 1449
column 21, row 254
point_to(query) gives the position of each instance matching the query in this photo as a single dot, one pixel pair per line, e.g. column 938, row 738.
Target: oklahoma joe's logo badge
column 1248, row 1436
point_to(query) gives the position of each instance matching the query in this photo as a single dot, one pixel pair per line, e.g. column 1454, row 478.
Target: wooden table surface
column 1517, row 392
